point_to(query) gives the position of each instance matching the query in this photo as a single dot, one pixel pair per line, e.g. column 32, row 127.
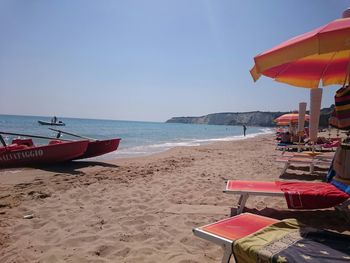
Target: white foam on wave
column 174, row 144
column 152, row 148
column 237, row 137
column 143, row 150
column 12, row 171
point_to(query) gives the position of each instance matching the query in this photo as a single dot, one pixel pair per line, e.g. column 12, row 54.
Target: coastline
column 139, row 209
column 152, row 149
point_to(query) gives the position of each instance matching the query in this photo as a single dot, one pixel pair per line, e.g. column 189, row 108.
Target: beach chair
column 301, row 159
column 309, row 154
column 295, row 146
column 290, row 147
column 298, row 195
column 253, row 238
column 332, row 144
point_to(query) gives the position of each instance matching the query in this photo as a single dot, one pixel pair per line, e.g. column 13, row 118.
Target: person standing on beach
column 244, row 129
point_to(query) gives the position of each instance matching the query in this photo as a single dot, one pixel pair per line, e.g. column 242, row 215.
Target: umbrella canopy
column 322, row 54
column 288, row 118
column 305, row 60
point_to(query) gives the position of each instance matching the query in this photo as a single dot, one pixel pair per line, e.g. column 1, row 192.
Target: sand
column 140, row 209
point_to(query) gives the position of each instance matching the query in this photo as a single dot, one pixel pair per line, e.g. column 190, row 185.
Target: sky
column 149, row 60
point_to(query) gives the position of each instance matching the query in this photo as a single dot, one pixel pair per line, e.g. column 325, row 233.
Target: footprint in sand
column 123, row 252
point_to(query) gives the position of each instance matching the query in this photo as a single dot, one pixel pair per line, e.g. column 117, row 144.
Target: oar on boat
column 73, row 134
column 2, row 141
column 32, row 136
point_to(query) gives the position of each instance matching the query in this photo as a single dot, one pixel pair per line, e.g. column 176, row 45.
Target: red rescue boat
column 23, row 152
column 96, row 147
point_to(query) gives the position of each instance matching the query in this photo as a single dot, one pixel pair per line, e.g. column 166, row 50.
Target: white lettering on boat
column 21, row 155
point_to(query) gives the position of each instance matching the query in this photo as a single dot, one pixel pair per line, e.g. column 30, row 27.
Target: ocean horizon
column 139, row 138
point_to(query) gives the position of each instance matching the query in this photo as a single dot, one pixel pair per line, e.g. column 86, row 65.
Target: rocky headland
column 253, row 118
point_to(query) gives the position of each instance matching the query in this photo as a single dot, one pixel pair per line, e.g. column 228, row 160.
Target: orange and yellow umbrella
column 290, row 118
column 305, row 60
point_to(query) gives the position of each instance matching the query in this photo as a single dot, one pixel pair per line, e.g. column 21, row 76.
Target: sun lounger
column 331, row 145
column 309, row 154
column 227, row 231
column 303, row 160
column 298, row 195
column 254, row 238
column 292, row 146
column 296, row 146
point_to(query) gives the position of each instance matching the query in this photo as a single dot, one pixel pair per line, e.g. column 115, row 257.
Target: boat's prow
column 97, row 148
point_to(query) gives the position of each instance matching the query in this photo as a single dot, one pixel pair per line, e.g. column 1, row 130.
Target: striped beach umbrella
column 289, row 118
column 322, row 54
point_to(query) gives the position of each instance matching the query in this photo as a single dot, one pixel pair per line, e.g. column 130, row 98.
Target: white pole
column 301, row 119
column 315, row 109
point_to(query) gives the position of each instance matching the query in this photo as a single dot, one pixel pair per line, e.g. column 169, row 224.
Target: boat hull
column 52, row 123
column 100, row 147
column 56, row 151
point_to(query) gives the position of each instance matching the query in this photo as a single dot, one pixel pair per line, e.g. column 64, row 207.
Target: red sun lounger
column 298, row 195
column 226, row 231
column 254, row 238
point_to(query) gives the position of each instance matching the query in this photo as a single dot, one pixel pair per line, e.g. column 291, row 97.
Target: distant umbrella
column 289, row 118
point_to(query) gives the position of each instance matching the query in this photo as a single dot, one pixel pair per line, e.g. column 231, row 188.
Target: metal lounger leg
column 312, row 168
column 227, row 254
column 241, row 203
column 344, row 209
column 299, row 148
column 286, row 166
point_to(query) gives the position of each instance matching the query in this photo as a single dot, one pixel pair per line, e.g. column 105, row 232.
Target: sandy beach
column 141, row 209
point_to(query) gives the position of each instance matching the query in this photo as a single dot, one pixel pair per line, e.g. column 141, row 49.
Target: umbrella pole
column 315, row 108
column 301, row 120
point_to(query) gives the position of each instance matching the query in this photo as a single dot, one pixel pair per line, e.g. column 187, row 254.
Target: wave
column 148, row 149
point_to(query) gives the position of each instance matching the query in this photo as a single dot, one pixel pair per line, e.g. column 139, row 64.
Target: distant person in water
column 54, row 119
column 244, row 130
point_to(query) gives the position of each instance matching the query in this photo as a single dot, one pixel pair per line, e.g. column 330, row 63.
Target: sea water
column 138, row 137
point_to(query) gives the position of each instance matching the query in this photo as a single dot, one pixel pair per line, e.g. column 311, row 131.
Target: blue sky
column 148, row 59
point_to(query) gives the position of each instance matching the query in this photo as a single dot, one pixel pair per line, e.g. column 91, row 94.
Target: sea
column 138, row 138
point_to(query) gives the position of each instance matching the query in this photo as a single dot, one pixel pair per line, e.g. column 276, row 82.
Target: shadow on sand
column 305, row 177
column 319, row 173
column 73, row 167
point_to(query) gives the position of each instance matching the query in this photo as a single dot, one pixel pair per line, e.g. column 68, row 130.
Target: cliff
column 254, row 118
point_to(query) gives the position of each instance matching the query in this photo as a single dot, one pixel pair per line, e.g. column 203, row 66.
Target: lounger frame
column 298, row 147
column 244, row 195
column 226, row 244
